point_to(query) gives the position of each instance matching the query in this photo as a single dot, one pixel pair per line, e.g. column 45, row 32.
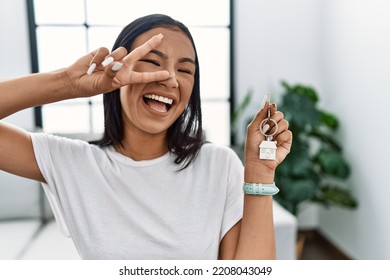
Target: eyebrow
column 163, row 55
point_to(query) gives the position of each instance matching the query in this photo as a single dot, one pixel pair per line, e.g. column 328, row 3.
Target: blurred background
column 338, row 47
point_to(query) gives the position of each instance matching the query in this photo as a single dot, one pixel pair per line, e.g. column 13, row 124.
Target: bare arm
column 32, row 90
column 16, row 150
column 253, row 237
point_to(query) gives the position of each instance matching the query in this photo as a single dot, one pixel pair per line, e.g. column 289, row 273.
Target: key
column 268, row 146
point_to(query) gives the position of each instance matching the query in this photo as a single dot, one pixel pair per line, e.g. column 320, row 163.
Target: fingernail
column 107, row 61
column 160, row 36
column 117, row 66
column 265, row 128
column 91, row 68
column 265, row 98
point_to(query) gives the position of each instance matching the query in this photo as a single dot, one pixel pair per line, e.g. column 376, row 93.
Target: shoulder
column 209, row 147
column 210, row 151
column 63, row 144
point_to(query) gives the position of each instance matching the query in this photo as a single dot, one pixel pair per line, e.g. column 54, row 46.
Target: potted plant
column 315, row 170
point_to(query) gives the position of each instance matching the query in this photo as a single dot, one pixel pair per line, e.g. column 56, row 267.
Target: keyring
column 268, row 135
column 268, row 147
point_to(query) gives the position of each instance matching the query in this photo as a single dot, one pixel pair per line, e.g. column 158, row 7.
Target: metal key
column 268, row 147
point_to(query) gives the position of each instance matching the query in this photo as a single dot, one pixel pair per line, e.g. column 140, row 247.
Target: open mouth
column 158, row 103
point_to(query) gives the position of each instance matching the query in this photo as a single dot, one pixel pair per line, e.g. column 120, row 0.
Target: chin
column 155, row 129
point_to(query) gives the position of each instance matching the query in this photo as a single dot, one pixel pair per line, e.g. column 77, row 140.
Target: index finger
column 260, row 116
column 147, row 77
column 142, row 50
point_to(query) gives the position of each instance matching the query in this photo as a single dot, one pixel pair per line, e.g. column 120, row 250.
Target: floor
column 317, row 247
column 28, row 240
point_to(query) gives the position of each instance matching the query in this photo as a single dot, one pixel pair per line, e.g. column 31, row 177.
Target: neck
column 142, row 146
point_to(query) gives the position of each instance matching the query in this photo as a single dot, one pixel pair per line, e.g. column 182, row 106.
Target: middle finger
column 142, row 50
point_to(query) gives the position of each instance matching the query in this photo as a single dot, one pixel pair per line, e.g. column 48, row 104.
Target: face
column 153, row 107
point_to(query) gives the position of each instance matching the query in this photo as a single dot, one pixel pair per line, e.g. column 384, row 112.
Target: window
column 63, row 30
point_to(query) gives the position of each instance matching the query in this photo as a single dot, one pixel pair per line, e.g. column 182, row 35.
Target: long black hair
column 185, row 136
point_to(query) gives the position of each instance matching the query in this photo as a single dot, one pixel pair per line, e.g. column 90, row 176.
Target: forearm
column 257, row 240
column 33, row 90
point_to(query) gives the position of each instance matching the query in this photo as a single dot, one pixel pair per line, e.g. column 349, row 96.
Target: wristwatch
column 260, row 189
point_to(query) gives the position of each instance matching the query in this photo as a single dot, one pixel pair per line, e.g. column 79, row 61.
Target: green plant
column 315, row 170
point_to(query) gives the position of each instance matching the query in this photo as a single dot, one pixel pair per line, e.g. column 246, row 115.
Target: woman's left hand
column 266, row 168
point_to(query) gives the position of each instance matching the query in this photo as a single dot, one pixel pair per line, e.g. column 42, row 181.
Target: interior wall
column 356, row 61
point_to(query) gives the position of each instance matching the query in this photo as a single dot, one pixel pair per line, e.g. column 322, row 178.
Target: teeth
column 163, row 99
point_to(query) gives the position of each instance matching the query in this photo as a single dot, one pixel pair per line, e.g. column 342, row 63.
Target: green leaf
column 326, row 138
column 307, row 91
column 286, row 86
column 295, row 191
column 329, row 120
column 299, row 162
column 300, row 111
column 332, row 163
column 333, row 195
column 300, row 89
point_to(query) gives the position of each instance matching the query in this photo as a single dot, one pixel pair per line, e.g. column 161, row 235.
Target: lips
column 158, row 103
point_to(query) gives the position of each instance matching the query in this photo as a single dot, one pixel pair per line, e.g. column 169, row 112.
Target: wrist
column 67, row 87
column 50, row 87
column 258, row 173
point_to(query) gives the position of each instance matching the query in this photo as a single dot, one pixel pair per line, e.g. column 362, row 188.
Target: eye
column 154, row 62
column 186, row 71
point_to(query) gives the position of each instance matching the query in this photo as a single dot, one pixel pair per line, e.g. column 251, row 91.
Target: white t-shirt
column 116, row 208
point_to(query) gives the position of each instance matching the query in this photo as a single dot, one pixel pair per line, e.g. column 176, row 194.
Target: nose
column 171, row 81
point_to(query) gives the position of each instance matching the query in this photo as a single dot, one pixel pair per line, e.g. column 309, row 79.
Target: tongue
column 157, row 105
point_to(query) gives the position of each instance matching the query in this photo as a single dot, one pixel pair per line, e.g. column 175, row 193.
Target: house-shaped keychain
column 268, row 150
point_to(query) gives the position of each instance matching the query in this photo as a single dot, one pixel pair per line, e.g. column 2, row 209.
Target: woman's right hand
column 88, row 76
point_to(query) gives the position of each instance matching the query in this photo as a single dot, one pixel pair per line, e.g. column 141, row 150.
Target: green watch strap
column 260, row 189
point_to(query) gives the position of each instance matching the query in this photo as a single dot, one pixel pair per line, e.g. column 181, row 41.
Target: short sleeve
column 235, row 196
column 47, row 149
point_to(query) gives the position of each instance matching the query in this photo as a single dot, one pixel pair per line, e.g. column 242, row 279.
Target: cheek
column 186, row 89
column 128, row 99
column 124, row 97
column 184, row 102
column 129, row 93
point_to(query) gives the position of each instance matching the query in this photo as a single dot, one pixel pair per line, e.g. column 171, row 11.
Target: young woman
column 151, row 188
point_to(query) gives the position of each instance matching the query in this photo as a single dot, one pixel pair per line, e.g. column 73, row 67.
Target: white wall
column 356, row 48
column 342, row 48
column 18, row 196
